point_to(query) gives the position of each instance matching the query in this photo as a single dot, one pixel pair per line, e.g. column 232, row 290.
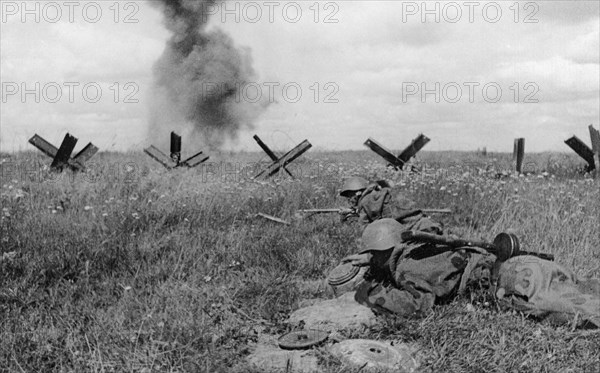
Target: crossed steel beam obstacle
column 591, row 156
column 174, row 160
column 61, row 157
column 280, row 162
column 398, row 161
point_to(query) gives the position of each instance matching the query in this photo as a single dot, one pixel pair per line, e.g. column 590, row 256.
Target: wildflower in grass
column 19, row 193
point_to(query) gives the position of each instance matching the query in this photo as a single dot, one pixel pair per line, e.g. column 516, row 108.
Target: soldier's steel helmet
column 352, row 185
column 382, row 234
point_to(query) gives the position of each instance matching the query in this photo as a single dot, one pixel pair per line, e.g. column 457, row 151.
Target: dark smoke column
column 199, row 76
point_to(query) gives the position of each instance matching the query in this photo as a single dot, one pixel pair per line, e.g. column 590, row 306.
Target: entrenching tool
column 302, row 339
column 505, row 245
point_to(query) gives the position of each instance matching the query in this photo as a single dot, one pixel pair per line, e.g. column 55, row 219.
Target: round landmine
column 344, row 278
column 370, row 354
column 302, row 339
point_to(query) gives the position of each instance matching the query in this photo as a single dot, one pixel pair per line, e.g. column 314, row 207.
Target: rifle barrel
column 444, row 240
column 320, row 211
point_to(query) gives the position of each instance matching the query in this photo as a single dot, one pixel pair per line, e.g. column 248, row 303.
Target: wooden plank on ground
column 582, row 150
column 384, row 153
column 64, row 152
column 286, row 159
column 159, row 156
column 273, row 218
column 43, row 145
column 415, row 146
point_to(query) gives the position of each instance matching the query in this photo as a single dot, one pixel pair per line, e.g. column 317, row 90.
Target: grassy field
column 133, row 268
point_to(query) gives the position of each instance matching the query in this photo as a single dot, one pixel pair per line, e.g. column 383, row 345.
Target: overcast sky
column 370, row 59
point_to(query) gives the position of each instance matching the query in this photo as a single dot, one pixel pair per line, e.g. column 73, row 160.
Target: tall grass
column 130, row 267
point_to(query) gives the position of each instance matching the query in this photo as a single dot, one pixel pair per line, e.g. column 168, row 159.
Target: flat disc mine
column 342, row 274
column 302, row 339
column 375, row 354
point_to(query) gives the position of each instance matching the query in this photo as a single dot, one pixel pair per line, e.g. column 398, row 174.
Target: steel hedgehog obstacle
column 591, row 156
column 398, row 161
column 280, row 162
column 61, row 157
column 174, row 160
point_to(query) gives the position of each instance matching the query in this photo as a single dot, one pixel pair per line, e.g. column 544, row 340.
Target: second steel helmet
column 382, row 234
column 353, row 184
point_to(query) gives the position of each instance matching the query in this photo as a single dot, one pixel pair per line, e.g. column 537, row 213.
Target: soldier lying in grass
column 373, row 201
column 409, row 278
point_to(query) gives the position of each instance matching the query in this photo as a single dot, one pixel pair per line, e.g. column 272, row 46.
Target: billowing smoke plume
column 198, row 78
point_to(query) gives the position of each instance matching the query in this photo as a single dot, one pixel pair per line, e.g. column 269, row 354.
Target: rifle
column 505, row 245
column 327, row 211
column 349, row 210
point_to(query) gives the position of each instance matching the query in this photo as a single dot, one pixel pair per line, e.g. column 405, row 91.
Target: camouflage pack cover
column 544, row 288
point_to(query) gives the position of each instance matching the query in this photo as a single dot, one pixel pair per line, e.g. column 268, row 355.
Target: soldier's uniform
column 416, row 276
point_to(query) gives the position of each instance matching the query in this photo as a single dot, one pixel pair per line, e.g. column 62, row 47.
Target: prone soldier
column 373, row 201
column 409, row 278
